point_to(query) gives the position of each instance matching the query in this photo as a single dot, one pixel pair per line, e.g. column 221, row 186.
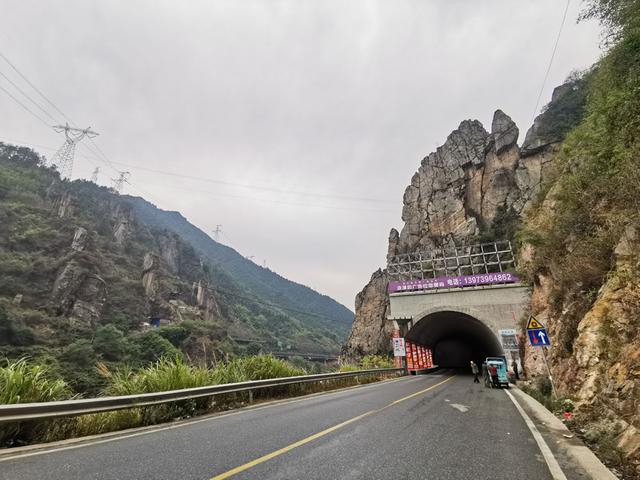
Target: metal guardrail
column 66, row 408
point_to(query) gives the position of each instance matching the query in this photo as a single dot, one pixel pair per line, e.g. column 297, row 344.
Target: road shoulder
column 575, row 458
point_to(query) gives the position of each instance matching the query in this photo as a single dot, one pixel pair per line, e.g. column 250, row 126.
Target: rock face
column 460, row 188
column 79, row 293
column 597, row 360
column 476, row 184
column 370, row 330
column 123, row 222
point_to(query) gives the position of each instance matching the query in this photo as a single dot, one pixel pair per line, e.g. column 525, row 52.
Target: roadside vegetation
column 368, row 362
column 589, row 199
column 23, row 381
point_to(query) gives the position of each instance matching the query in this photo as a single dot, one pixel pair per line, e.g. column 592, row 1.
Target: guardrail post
column 250, row 397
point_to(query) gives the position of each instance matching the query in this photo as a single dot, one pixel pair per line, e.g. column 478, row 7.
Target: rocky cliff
column 473, row 188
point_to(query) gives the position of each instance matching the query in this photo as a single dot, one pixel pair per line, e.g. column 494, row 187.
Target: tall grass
column 24, row 382
column 174, row 374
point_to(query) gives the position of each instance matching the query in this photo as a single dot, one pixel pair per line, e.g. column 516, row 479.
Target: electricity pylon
column 94, row 175
column 217, row 232
column 119, row 182
column 63, row 158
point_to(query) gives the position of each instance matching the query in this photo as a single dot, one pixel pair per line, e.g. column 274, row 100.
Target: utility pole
column 217, row 232
column 94, row 175
column 119, row 182
column 63, row 158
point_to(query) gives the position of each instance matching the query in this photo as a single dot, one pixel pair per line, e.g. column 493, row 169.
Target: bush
column 376, row 361
column 13, row 331
column 151, row 347
column 110, row 343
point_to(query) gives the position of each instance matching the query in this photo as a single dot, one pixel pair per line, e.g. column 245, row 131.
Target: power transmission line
column 24, row 106
column 34, row 87
column 100, row 155
column 254, row 187
column 553, row 54
column 28, row 97
column 279, row 202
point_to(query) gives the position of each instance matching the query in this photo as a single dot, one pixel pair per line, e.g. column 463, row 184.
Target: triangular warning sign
column 533, row 324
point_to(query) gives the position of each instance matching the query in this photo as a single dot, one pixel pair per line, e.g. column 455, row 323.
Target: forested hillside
column 85, row 274
column 319, row 310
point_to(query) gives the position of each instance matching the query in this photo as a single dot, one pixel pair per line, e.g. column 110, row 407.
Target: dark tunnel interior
column 455, row 339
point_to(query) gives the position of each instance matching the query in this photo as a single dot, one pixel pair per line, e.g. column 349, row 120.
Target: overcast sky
column 338, row 99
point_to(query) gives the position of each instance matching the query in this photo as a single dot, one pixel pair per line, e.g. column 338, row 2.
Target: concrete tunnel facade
column 459, row 325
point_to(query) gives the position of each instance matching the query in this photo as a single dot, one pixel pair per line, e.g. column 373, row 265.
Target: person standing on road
column 475, row 371
column 493, row 372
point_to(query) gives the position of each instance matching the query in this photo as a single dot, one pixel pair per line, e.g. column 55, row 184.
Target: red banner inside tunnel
column 419, row 357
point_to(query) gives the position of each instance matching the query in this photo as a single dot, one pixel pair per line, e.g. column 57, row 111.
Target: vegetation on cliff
column 584, row 260
column 82, row 275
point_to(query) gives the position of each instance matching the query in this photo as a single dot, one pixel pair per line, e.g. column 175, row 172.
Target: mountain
column 317, row 309
column 86, row 274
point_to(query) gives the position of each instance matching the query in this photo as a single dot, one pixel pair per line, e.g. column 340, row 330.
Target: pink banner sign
column 453, row 282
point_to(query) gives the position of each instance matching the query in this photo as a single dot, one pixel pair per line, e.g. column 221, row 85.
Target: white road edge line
column 114, row 438
column 552, row 463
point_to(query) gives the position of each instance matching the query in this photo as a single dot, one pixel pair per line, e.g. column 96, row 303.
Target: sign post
column 399, row 350
column 538, row 337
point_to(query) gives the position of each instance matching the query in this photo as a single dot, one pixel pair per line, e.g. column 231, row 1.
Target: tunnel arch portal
column 455, row 337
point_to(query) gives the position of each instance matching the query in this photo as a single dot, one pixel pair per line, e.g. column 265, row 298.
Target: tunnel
column 455, row 339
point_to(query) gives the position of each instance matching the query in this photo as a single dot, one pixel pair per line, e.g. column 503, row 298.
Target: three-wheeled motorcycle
column 501, row 367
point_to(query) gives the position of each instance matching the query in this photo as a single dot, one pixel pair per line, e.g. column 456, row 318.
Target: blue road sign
column 539, row 338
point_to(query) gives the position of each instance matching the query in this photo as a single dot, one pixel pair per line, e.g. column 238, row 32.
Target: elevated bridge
column 462, row 303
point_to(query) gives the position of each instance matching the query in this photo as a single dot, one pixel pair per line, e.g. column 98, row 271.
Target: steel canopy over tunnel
column 455, row 338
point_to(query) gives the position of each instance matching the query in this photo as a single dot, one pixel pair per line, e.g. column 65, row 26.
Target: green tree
column 152, row 346
column 110, row 343
column 13, row 331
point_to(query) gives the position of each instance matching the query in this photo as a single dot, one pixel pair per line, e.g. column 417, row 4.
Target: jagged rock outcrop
column 370, row 330
column 476, row 184
column 150, row 266
column 80, row 238
column 123, row 220
column 206, row 300
column 170, row 252
column 541, row 134
column 459, row 190
column 79, row 293
column 64, row 204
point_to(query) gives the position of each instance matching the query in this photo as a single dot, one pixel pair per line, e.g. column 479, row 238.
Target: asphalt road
column 437, row 426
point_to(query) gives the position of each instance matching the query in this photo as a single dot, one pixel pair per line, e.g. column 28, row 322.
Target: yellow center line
column 315, row 436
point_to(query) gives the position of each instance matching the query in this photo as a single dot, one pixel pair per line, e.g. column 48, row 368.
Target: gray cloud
column 328, row 97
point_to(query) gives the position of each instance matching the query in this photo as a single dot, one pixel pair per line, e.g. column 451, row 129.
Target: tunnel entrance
column 455, row 339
